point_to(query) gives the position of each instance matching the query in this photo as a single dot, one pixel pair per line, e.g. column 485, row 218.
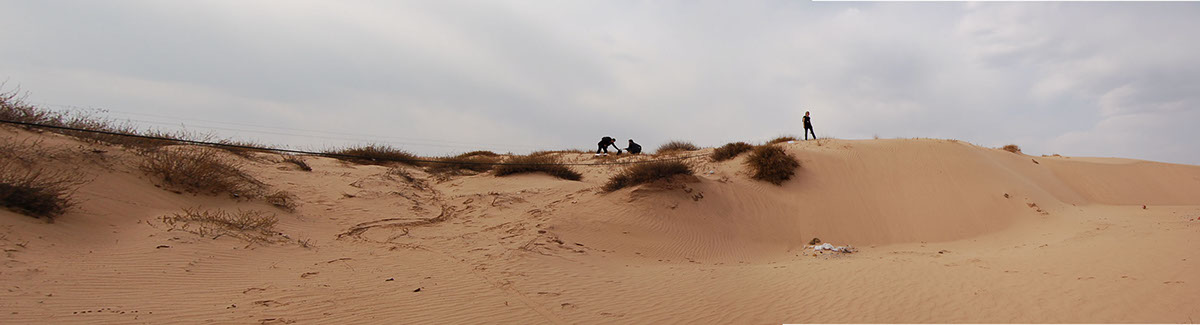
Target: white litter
column 830, row 247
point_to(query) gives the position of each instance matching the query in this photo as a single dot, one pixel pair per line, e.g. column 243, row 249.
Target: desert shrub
column 548, row 152
column 537, row 164
column 242, row 148
column 1012, row 148
column 645, row 173
column 782, row 139
column 251, row 225
column 772, row 164
column 374, row 154
column 13, row 108
column 677, row 146
column 730, row 151
column 460, row 163
column 483, row 153
column 37, row 192
column 200, row 170
column 299, row 162
column 283, row 200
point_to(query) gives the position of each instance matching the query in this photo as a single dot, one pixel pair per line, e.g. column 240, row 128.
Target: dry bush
column 782, row 139
column 730, row 151
column 239, row 148
column 200, row 170
column 299, row 162
column 1012, row 148
column 677, row 146
column 13, row 108
column 548, row 152
column 460, row 163
column 38, row 192
column 283, row 200
column 537, row 164
column 251, row 225
column 375, row 154
column 645, row 173
column 483, row 153
column 772, row 164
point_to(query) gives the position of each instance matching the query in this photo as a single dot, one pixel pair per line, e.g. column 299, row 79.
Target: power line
column 446, row 143
column 337, row 155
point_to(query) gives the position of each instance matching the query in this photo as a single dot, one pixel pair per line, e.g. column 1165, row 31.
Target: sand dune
column 947, row 232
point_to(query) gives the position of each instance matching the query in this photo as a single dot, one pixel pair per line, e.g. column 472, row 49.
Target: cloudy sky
column 438, row 77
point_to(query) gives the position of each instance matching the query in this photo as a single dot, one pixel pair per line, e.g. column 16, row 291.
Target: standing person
column 604, row 143
column 808, row 127
column 634, row 148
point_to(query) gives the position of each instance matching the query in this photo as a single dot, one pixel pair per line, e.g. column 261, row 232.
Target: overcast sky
column 439, row 77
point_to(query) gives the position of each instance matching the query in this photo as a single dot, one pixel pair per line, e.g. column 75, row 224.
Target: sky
column 444, row 77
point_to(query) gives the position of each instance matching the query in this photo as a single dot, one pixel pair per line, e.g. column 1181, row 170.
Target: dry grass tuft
column 200, row 170
column 537, row 164
column 375, row 154
column 457, row 164
column 299, row 162
column 549, row 152
column 772, row 164
column 782, row 139
column 13, row 108
column 251, row 225
column 242, row 152
column 1012, row 148
column 677, row 146
column 283, row 200
column 482, row 153
column 37, row 192
column 645, row 173
column 730, row 151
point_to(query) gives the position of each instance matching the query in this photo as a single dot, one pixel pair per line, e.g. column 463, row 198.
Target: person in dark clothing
column 634, row 148
column 808, row 127
column 604, row 143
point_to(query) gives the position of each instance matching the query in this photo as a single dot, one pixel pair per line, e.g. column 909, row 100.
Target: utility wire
column 336, row 155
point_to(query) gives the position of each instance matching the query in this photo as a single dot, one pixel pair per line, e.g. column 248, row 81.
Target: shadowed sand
column 947, row 232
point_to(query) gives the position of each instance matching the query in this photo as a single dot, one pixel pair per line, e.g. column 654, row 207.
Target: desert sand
column 946, row 231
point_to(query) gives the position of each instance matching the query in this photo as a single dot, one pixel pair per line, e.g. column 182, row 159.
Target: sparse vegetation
column 477, row 163
column 730, row 151
column 200, row 170
column 677, row 146
column 1012, row 148
column 283, row 200
column 645, row 173
column 251, row 225
column 537, row 164
column 13, row 108
column 782, row 139
column 299, row 162
column 237, row 147
column 37, row 192
column 772, row 164
column 547, row 152
column 483, row 153
column 375, row 154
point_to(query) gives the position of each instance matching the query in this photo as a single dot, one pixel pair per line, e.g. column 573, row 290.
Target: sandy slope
column 939, row 242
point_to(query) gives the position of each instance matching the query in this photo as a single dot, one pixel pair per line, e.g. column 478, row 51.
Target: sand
column 946, row 231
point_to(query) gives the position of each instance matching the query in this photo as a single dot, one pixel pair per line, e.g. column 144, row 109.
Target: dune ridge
column 947, row 232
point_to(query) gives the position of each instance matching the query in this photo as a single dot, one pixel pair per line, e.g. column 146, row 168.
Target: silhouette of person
column 808, row 126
